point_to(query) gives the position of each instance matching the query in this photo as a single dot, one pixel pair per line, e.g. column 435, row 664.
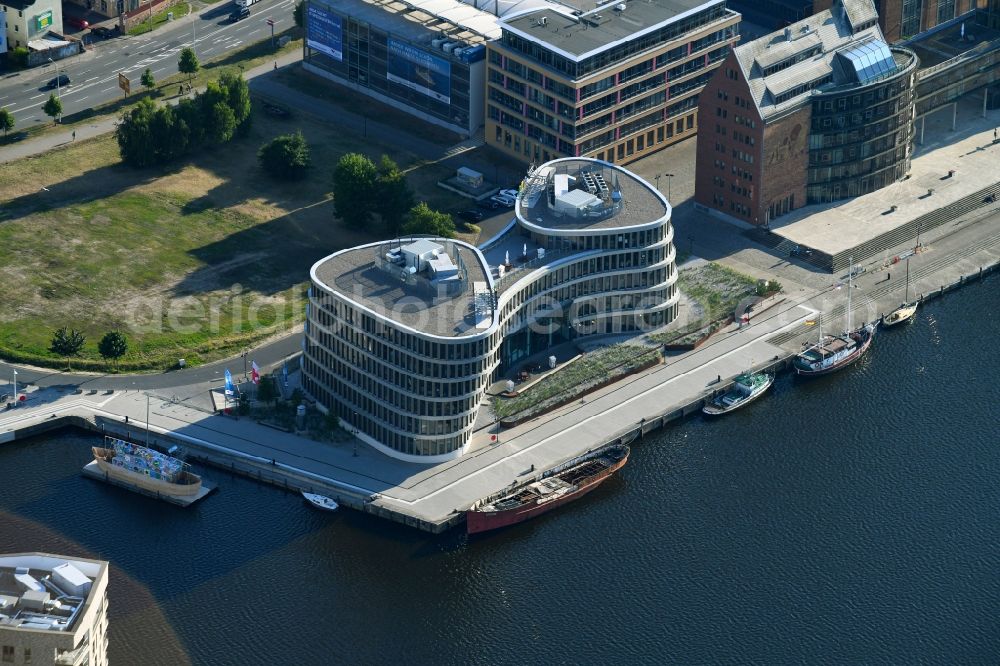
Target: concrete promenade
column 432, row 497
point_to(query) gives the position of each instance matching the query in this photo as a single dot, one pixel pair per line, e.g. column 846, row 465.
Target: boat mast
column 850, row 289
column 906, row 292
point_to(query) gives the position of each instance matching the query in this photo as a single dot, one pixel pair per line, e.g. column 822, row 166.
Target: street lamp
column 244, row 355
column 657, row 179
column 15, row 387
column 58, row 87
column 147, row 419
column 357, row 430
column 668, row 176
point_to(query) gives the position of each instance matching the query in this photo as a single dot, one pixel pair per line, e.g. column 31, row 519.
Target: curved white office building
column 404, row 337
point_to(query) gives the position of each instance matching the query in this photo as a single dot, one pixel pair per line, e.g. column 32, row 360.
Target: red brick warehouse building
column 820, row 111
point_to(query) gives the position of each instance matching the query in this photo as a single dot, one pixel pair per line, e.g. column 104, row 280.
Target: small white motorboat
column 320, row 501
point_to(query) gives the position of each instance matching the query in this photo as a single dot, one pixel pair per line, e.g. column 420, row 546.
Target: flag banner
column 284, row 373
column 230, row 389
column 254, row 372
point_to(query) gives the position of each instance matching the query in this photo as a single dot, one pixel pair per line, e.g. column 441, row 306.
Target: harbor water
column 853, row 518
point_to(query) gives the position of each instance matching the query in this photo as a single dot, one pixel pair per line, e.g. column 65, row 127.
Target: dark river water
column 849, row 519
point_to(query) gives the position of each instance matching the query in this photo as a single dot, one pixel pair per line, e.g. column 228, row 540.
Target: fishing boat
column 833, row 352
column 321, row 501
column 746, row 388
column 552, row 489
column 907, row 309
column 145, row 468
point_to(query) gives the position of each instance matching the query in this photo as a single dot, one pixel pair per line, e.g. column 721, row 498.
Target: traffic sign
column 270, row 22
column 123, row 83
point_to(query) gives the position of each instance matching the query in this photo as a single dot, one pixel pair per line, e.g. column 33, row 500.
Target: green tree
column 267, row 391
column 169, row 134
column 298, row 14
column 113, row 345
column 285, row 156
column 188, row 63
column 423, row 220
column 354, row 188
column 67, row 343
column 136, row 143
column 393, row 196
column 188, row 112
column 6, row 120
column 221, row 124
column 238, row 99
column 53, row 107
column 147, row 79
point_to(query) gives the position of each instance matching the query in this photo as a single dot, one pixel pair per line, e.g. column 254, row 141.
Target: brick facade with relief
column 728, row 171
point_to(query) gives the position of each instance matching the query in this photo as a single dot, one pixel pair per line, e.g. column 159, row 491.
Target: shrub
column 285, row 156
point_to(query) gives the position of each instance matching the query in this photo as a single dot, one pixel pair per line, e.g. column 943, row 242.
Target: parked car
column 78, row 22
column 488, row 204
column 61, row 80
column 503, row 200
column 471, row 216
column 509, row 193
column 102, row 32
column 800, row 251
column 239, row 14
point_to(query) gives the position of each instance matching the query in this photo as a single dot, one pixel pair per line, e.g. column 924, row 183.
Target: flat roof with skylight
column 586, row 195
column 429, row 285
column 48, row 593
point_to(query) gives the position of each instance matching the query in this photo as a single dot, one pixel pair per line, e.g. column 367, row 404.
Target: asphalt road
column 94, row 73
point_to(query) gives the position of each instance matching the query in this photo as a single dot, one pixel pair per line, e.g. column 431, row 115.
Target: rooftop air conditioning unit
column 448, row 47
column 436, row 43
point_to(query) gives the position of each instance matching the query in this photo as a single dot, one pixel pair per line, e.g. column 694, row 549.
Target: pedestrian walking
column 994, row 134
column 74, row 135
column 887, row 276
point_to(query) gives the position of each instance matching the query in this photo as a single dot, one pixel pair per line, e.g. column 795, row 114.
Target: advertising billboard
column 43, row 21
column 323, row 32
column 419, row 70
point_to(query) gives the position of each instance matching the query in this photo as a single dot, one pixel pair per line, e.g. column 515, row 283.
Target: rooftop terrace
column 44, row 592
column 587, row 195
column 441, row 303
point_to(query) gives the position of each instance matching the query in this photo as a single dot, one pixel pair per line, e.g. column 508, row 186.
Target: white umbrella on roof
column 524, row 250
column 506, row 257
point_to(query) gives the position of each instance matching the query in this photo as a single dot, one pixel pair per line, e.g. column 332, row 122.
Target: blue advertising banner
column 419, row 70
column 324, row 33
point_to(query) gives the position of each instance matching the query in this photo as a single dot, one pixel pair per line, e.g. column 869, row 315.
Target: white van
column 244, row 3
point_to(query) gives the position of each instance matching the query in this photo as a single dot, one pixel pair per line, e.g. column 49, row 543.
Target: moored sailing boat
column 834, row 352
column 907, row 309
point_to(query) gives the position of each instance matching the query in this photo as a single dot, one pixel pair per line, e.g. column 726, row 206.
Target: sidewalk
column 52, row 140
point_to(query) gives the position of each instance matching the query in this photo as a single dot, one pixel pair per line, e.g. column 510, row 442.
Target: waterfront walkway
column 431, row 497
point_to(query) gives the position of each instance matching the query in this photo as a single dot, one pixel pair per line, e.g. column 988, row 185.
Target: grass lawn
column 180, row 10
column 574, row 378
column 196, row 260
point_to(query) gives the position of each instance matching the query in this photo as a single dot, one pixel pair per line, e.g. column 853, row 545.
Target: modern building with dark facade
column 610, row 80
column 403, row 337
column 425, row 57
column 820, row 111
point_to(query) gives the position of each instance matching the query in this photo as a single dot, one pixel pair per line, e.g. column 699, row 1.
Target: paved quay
column 432, row 497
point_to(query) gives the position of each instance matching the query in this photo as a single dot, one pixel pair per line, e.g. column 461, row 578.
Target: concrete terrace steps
column 909, row 231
